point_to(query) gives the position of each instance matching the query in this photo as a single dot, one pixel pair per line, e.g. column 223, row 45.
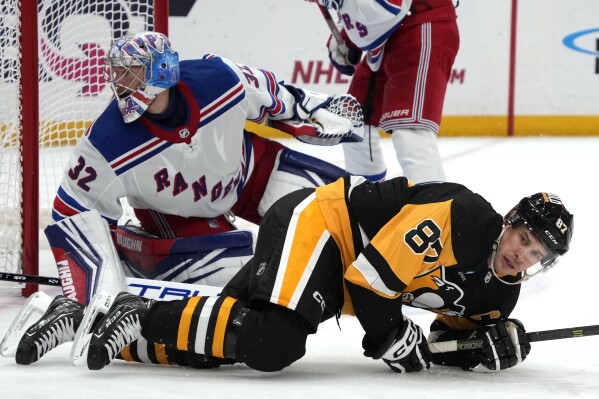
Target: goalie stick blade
column 32, row 310
column 96, row 309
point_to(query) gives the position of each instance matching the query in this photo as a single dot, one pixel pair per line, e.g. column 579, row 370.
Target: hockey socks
column 267, row 337
column 142, row 351
column 202, row 325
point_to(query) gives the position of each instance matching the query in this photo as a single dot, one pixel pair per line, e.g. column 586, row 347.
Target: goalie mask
column 547, row 218
column 138, row 67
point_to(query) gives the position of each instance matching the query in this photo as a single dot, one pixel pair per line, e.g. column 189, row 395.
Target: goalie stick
column 29, row 279
column 534, row 336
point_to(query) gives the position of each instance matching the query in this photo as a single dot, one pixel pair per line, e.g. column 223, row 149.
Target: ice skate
column 55, row 327
column 117, row 329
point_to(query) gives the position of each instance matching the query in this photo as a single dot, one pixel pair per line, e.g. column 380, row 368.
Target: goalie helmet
column 548, row 219
column 135, row 88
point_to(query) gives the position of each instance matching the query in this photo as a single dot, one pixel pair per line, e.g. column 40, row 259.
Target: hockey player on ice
column 360, row 248
column 173, row 143
column 410, row 48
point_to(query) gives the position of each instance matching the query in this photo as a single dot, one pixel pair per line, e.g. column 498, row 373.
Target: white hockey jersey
column 369, row 23
column 196, row 169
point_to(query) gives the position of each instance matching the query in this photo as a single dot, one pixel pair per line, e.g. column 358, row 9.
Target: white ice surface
column 503, row 171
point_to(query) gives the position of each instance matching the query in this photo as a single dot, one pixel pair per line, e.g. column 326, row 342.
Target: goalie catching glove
column 405, row 349
column 323, row 120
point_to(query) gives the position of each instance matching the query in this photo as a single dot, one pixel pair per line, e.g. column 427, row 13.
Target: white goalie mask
column 138, row 67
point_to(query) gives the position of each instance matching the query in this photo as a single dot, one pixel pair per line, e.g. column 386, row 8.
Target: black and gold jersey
column 425, row 245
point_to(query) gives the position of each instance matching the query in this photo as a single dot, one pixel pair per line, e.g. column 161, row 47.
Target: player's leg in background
column 366, row 158
column 419, row 59
column 418, row 154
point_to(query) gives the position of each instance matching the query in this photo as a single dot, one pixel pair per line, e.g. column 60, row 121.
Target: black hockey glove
column 504, row 345
column 405, row 349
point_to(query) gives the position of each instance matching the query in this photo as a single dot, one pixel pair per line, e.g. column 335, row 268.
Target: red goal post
column 51, row 59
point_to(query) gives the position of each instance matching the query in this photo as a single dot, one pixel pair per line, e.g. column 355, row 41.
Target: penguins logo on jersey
column 432, row 291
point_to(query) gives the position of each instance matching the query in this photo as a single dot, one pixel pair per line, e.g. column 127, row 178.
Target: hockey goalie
column 174, row 143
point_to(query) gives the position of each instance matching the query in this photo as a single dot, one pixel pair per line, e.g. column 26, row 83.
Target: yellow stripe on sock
column 160, row 351
column 218, row 345
column 126, row 354
column 185, row 323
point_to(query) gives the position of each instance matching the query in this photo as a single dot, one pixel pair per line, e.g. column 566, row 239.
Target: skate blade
column 31, row 312
column 96, row 309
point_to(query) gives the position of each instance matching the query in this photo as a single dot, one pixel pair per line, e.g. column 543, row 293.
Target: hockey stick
column 535, row 336
column 154, row 289
column 26, row 278
column 353, row 57
column 332, row 26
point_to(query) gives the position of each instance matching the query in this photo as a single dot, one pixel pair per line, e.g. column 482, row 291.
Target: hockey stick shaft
column 154, row 289
column 29, row 279
column 561, row 333
column 332, row 26
column 535, row 336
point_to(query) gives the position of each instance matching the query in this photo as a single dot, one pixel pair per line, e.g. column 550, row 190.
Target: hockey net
column 67, row 55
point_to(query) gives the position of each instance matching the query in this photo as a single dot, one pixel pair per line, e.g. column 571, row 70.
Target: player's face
column 127, row 80
column 518, row 250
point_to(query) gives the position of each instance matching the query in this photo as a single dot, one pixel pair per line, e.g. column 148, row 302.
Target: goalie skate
column 31, row 312
column 54, row 328
column 95, row 311
column 119, row 327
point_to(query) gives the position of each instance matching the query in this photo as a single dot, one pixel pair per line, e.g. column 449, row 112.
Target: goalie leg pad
column 85, row 256
column 208, row 260
column 293, row 171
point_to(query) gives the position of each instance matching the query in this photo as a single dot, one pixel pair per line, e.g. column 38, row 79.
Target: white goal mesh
column 72, row 39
